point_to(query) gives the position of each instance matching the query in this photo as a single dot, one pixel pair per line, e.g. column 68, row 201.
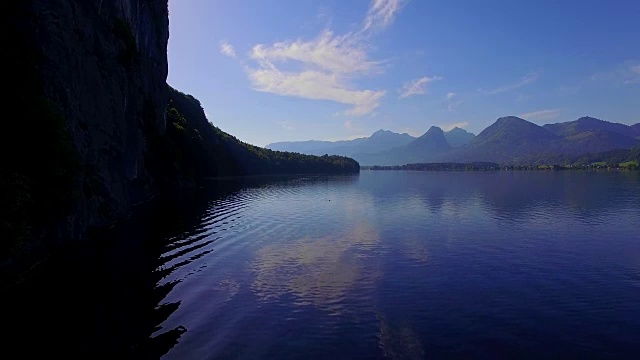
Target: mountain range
column 510, row 140
column 379, row 141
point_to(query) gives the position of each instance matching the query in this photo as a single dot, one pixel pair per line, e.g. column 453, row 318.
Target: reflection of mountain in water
column 509, row 194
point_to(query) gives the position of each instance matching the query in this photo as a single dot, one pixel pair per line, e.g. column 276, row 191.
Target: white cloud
column 633, row 76
column 417, row 86
column 411, row 131
column 452, row 105
column 315, row 85
column 286, row 125
column 227, row 49
column 324, row 68
column 449, row 127
column 626, row 73
column 335, row 54
column 526, row 80
column 541, row 115
column 381, row 13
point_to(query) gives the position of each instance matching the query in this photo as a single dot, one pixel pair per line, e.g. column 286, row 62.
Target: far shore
column 486, row 166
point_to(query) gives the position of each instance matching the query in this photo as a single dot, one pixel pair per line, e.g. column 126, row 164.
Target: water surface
column 410, row 264
column 385, row 264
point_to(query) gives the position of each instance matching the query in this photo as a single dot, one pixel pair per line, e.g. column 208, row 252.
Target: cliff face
column 91, row 92
column 98, row 130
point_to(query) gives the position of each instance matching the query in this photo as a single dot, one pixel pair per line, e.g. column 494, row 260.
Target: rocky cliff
column 88, row 89
column 95, row 128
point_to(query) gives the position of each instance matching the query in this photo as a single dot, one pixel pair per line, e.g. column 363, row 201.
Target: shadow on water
column 102, row 298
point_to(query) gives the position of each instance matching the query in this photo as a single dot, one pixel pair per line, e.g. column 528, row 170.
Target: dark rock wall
column 102, row 65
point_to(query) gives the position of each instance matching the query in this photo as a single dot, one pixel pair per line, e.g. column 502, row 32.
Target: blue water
column 385, row 264
column 412, row 265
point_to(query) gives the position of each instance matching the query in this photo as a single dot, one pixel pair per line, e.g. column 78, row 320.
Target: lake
column 385, row 264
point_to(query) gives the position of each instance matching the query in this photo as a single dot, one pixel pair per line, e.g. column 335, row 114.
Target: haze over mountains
column 379, row 141
column 510, row 140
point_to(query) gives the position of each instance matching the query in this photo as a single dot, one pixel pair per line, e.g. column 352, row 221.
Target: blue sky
column 268, row 71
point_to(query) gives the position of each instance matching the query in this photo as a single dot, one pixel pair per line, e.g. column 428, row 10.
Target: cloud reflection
column 317, row 271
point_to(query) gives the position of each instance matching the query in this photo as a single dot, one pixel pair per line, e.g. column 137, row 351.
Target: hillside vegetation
column 193, row 149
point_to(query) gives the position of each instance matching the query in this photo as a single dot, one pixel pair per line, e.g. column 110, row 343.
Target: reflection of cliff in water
column 99, row 297
column 105, row 296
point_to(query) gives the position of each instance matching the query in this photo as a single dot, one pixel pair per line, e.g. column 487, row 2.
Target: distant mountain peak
column 591, row 121
column 434, row 129
column 431, row 142
column 514, row 122
column 457, row 130
column 515, row 129
column 388, row 134
column 591, row 124
column 511, row 119
column 582, row 120
column 586, row 118
column 457, row 137
column 382, row 132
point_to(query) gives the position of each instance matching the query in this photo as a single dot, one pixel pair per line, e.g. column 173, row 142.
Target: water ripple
column 409, row 265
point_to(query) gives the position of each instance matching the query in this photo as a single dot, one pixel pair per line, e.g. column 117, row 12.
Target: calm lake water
column 402, row 265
